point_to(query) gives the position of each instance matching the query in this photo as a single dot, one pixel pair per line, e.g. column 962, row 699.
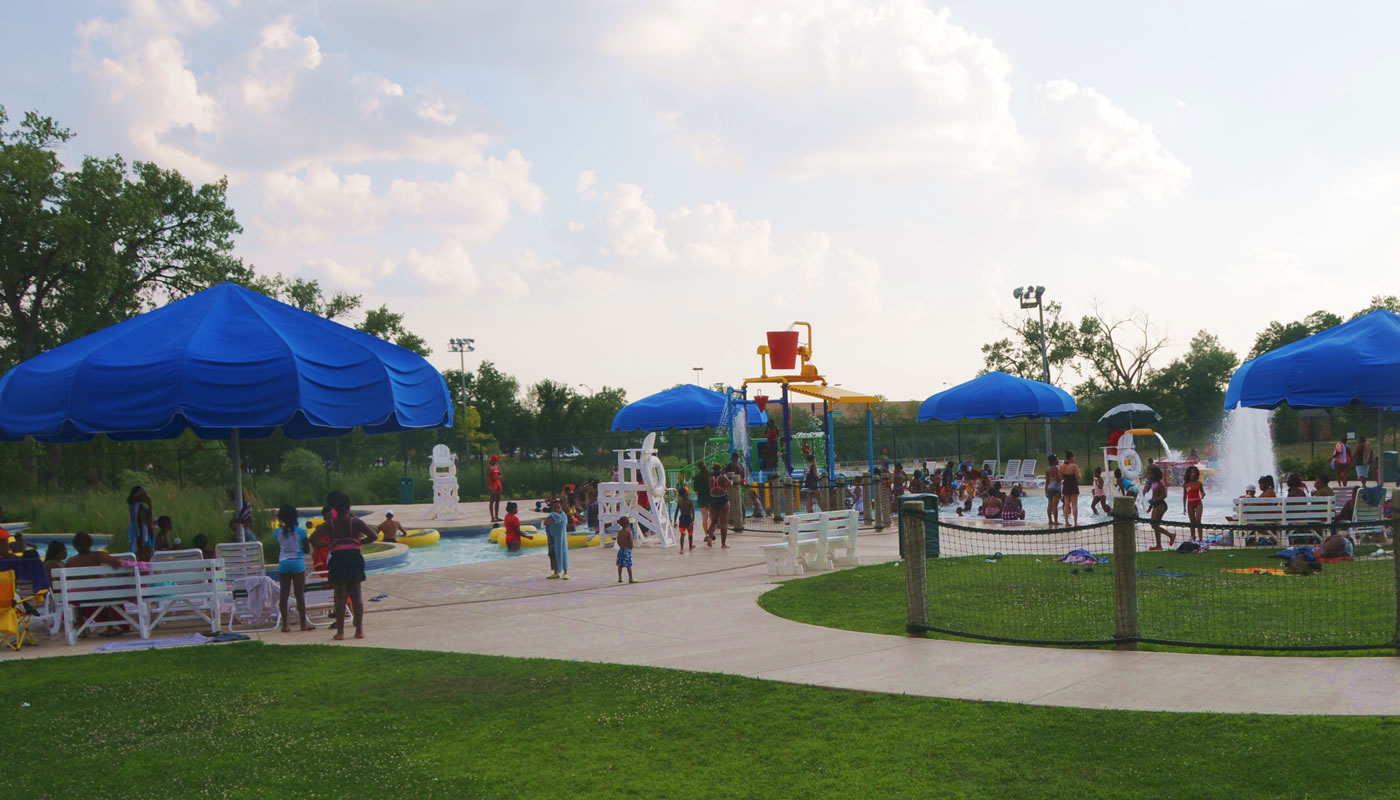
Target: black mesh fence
column 1296, row 587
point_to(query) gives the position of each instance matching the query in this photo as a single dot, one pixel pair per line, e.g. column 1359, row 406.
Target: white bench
column 814, row 542
column 839, row 534
column 798, row 548
column 1285, row 512
column 180, row 588
column 140, row 598
column 81, row 593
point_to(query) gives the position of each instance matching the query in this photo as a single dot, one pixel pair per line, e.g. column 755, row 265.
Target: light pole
column 1033, row 297
column 697, row 371
column 461, row 347
column 586, row 386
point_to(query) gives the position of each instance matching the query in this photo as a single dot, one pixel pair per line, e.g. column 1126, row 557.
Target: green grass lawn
column 1037, row 598
column 260, row 720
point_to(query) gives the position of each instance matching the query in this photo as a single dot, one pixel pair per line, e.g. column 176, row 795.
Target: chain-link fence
column 1298, row 587
column 535, row 465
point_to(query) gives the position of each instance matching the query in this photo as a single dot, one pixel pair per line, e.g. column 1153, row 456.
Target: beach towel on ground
column 1080, row 556
column 1257, row 571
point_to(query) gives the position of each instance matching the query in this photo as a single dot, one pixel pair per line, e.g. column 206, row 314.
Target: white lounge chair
column 1012, row 473
column 1365, row 512
column 1028, row 476
column 251, row 597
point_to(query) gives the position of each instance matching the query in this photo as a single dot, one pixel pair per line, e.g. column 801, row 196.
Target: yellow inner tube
column 585, row 540
column 420, row 537
column 497, row 535
column 310, row 524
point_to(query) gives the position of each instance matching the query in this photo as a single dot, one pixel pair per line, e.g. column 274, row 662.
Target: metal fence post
column 1125, row 610
column 882, row 505
column 1394, row 541
column 911, row 514
column 736, row 506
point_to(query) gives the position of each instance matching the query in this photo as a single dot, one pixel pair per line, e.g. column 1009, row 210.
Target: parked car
column 572, row 452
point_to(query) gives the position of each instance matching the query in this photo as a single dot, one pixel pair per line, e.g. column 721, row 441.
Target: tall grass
column 192, row 511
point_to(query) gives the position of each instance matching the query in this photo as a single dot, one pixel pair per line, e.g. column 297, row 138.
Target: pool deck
column 698, row 611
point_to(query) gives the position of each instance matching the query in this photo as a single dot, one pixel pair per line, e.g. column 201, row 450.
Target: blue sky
column 613, row 192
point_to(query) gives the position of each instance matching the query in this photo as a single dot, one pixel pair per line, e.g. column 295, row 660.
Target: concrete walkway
column 699, row 612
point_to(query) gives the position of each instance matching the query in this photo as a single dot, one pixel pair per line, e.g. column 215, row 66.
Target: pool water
column 1215, row 508
column 451, row 551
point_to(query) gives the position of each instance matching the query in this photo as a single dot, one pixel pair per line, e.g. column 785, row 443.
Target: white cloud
column 1097, row 156
column 632, row 233
column 436, row 110
column 711, row 239
column 1277, row 267
column 447, row 267
column 583, row 185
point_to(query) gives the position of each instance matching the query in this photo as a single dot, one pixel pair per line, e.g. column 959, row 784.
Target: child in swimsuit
column 1100, row 495
column 1052, row 490
column 1193, row 493
column 686, row 521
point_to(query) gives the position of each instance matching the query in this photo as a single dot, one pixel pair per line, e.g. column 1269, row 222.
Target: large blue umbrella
column 685, row 407
column 1355, row 362
column 997, row 396
column 227, row 363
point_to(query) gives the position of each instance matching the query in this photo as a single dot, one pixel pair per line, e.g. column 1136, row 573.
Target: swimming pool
column 1215, row 508
column 456, row 548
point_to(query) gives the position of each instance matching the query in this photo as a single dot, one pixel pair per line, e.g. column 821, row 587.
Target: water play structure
column 785, row 351
column 1126, row 457
column 640, row 473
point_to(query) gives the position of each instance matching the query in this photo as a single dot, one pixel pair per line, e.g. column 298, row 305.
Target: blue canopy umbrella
column 1355, row 362
column 997, row 396
column 685, row 407
column 226, row 363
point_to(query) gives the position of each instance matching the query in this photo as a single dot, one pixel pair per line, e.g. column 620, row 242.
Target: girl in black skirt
column 346, row 570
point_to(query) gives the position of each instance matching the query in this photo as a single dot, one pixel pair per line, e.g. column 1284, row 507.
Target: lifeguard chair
column 443, row 471
column 638, row 471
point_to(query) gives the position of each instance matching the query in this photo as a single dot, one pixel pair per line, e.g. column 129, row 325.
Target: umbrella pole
column 236, row 454
column 1380, row 442
column 998, row 426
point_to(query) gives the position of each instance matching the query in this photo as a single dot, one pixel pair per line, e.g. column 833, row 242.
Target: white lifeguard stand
column 638, row 471
column 444, row 474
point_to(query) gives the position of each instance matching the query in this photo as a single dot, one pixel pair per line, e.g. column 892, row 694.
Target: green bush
column 303, row 468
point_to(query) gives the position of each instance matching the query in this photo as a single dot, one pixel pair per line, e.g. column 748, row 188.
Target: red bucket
column 782, row 349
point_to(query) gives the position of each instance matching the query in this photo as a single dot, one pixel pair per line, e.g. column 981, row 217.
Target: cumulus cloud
column 886, row 89
column 640, row 243
column 317, row 140
column 1099, row 157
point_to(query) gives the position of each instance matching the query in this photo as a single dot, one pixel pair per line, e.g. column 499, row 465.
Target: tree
column 388, row 326
column 555, row 407
column 496, row 397
column 1019, row 354
column 1198, row 379
column 1110, row 354
column 596, row 411
column 83, row 249
column 306, row 295
column 1387, row 302
column 1278, row 334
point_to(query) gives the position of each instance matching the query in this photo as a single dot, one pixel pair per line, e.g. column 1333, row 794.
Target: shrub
column 303, row 468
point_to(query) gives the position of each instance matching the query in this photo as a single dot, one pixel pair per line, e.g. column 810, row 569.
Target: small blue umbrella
column 685, row 407
column 1355, row 362
column 997, row 396
column 225, row 362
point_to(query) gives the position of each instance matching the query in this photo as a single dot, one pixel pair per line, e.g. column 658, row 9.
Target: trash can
column 1390, row 465
column 405, row 491
column 931, row 548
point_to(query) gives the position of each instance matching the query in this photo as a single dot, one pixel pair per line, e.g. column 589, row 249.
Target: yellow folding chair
column 16, row 612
